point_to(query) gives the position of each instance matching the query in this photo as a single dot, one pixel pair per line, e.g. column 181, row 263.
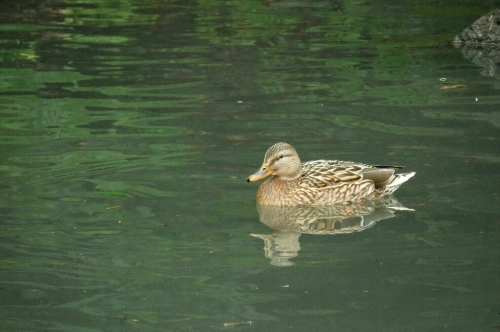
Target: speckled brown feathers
column 320, row 182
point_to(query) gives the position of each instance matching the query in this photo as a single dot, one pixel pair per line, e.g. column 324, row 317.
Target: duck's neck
column 276, row 191
column 289, row 178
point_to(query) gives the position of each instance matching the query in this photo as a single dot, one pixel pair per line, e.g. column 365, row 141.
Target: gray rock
column 480, row 43
column 486, row 30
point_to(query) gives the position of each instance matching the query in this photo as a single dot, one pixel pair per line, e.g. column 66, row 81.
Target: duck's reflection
column 290, row 222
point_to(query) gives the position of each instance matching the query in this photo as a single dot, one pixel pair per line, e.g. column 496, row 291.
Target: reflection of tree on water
column 290, row 222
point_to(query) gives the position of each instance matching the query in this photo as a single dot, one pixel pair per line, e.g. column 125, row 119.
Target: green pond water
column 128, row 129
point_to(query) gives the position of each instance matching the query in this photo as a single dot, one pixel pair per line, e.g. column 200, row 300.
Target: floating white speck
column 442, row 79
column 477, row 99
column 239, row 102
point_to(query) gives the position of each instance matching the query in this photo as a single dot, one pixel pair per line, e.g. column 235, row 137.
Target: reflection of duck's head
column 281, row 247
column 282, row 161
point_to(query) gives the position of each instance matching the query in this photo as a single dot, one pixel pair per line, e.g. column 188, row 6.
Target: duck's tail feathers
column 394, row 183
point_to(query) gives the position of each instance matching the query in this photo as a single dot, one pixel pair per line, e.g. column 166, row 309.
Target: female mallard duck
column 321, row 182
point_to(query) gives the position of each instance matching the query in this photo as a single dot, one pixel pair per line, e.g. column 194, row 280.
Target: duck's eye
column 281, row 157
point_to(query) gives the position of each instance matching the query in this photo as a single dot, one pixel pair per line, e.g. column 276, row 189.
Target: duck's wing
column 327, row 173
column 379, row 176
column 326, row 182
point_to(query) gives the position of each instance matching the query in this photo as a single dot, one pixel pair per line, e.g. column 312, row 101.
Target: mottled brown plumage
column 321, row 182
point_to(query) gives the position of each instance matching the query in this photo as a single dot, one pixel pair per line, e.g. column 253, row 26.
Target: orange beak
column 260, row 174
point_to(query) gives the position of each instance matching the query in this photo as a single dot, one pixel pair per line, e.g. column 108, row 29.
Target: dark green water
column 128, row 128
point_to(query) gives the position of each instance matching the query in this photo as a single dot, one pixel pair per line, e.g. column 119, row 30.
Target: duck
column 321, row 182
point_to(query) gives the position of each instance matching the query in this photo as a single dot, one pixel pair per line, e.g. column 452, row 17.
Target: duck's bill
column 260, row 174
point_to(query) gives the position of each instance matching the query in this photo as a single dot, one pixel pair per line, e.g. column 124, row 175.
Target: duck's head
column 281, row 160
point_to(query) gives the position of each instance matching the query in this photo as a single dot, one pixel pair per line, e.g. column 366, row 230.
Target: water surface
column 128, row 130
